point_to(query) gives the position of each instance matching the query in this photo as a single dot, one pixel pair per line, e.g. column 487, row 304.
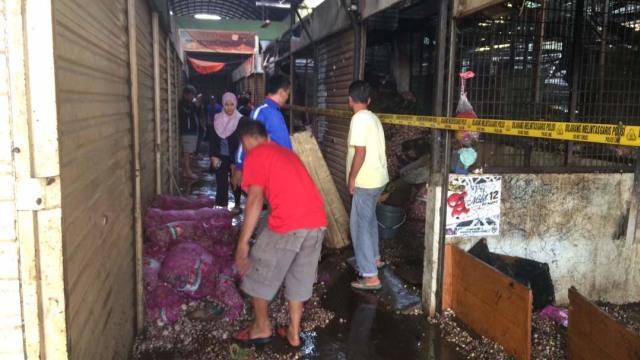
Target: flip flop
column 244, row 337
column 281, row 330
column 360, row 285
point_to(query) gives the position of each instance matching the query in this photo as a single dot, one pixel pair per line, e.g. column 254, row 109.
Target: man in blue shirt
column 277, row 89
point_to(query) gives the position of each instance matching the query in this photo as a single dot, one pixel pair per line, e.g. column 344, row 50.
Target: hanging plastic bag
column 465, row 111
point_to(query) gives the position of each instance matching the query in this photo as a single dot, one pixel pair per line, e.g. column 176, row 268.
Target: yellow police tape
column 584, row 132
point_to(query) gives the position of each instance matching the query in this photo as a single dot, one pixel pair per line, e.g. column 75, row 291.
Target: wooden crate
column 594, row 334
column 490, row 303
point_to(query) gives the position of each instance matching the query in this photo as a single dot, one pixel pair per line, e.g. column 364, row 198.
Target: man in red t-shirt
column 289, row 249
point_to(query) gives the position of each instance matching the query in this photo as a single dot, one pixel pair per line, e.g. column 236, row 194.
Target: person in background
column 201, row 113
column 249, row 96
column 223, row 145
column 289, row 249
column 277, row 90
column 213, row 109
column 243, row 106
column 367, row 177
column 188, row 122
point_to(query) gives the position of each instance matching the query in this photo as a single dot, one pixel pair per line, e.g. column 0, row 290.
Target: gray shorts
column 291, row 257
column 189, row 143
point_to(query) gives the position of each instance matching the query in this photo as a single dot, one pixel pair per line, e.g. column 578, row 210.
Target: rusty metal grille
column 554, row 60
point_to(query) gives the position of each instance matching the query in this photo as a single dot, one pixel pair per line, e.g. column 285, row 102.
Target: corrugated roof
column 234, row 9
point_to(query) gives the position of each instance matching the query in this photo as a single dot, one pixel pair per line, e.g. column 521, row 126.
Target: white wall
column 576, row 223
column 11, row 340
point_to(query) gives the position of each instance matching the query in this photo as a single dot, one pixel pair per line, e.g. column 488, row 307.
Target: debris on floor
column 404, row 146
column 210, row 337
column 471, row 347
column 628, row 314
column 549, row 340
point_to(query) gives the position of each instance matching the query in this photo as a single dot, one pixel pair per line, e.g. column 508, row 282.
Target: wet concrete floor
column 378, row 325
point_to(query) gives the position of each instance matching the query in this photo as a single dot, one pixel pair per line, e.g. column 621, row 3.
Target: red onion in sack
column 163, row 303
column 156, row 217
column 170, row 202
column 189, row 269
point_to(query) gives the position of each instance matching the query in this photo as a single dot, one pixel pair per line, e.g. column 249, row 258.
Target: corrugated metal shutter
column 335, row 74
column 176, row 79
column 253, row 83
column 257, row 88
column 145, row 98
column 164, row 115
column 94, row 114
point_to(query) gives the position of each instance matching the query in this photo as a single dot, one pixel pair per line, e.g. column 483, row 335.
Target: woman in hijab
column 222, row 148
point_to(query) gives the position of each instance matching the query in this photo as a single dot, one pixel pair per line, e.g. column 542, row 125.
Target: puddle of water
column 365, row 327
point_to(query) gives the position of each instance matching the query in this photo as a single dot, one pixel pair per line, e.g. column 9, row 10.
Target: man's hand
column 214, row 162
column 236, row 179
column 243, row 264
column 358, row 159
column 255, row 199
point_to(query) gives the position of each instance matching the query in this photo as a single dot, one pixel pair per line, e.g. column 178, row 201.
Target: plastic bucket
column 389, row 220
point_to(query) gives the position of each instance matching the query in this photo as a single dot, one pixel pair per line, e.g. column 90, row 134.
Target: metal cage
column 554, row 60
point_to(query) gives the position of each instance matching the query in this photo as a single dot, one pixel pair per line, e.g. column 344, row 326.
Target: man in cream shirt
column 367, row 178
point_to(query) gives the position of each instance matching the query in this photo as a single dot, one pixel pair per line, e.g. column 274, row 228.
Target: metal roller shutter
column 176, row 85
column 146, row 98
column 94, row 130
column 335, row 74
column 257, row 88
column 164, row 115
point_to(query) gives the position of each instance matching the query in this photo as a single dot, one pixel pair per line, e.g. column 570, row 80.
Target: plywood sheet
column 595, row 335
column 492, row 304
column 305, row 145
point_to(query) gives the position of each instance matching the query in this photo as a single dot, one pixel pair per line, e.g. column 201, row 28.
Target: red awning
column 206, row 67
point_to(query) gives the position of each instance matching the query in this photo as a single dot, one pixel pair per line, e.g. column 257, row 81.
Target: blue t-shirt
column 269, row 114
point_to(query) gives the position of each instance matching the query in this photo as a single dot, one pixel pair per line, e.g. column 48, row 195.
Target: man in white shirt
column 367, row 178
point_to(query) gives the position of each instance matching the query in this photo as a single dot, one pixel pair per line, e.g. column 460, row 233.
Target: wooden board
column 491, row 304
column 306, row 146
column 594, row 334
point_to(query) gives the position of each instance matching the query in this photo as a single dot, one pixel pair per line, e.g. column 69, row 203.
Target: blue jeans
column 364, row 229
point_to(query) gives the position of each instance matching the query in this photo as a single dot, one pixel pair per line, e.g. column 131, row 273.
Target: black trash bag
column 530, row 273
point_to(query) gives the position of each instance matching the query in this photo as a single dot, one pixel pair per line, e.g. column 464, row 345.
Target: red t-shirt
column 293, row 196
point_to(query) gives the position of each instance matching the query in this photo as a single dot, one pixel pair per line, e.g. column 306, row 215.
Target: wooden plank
column 307, row 149
column 594, row 334
column 492, row 304
column 447, row 282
